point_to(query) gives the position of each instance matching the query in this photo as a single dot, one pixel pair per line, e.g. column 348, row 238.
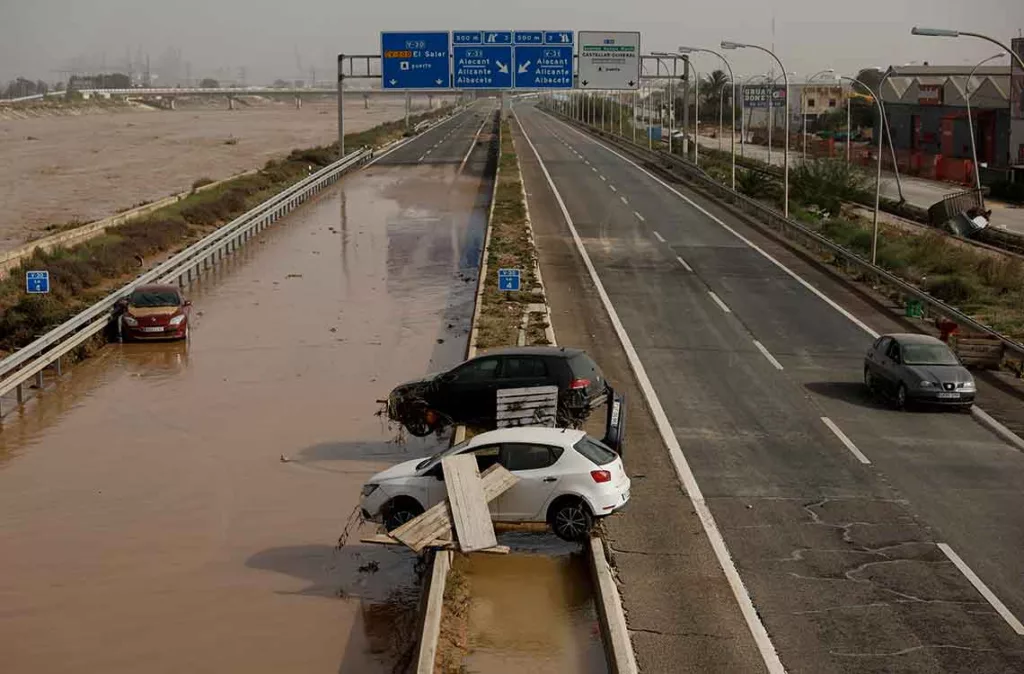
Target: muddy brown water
column 173, row 507
column 532, row 610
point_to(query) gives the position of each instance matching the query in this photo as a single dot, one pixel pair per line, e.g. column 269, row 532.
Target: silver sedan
column 917, row 368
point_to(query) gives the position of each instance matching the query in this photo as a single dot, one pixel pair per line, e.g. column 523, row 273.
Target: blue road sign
column 467, row 37
column 38, row 282
column 548, row 67
column 415, row 60
column 497, row 37
column 508, row 280
column 528, row 37
column 558, row 37
column 483, row 67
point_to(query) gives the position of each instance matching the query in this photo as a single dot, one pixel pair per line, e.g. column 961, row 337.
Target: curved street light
column 878, row 171
column 970, row 124
column 803, row 113
column 732, row 80
column 944, row 32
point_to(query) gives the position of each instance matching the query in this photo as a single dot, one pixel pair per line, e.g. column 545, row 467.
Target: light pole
column 803, row 112
column 942, row 32
column 970, row 124
column 785, row 160
column 892, row 146
column 671, row 89
column 743, row 119
column 878, row 171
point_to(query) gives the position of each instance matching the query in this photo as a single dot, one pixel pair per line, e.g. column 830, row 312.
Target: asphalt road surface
column 862, row 534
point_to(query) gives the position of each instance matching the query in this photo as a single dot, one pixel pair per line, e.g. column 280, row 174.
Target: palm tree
column 711, row 89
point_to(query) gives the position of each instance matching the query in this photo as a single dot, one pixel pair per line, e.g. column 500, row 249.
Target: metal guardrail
column 792, row 229
column 33, row 359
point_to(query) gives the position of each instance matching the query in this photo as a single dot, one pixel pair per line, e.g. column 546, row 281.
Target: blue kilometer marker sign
column 508, row 280
column 415, row 60
column 37, row 282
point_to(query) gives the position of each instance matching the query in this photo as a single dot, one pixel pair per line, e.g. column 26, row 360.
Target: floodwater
column 175, row 508
column 532, row 610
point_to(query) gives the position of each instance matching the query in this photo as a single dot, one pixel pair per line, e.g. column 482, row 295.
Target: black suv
column 467, row 394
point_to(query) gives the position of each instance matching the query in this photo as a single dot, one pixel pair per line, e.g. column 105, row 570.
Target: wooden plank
column 384, row 539
column 470, row 516
column 533, row 406
column 436, row 523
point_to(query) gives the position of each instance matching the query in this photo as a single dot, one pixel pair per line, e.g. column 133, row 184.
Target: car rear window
column 595, row 450
column 151, row 298
column 584, row 367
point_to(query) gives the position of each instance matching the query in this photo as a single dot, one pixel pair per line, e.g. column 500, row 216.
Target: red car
column 155, row 312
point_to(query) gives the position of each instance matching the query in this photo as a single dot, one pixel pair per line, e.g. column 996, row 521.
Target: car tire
column 400, row 511
column 869, row 380
column 570, row 519
column 418, row 426
column 901, row 397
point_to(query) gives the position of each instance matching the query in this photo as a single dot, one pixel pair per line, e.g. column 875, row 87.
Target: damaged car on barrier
column 468, row 393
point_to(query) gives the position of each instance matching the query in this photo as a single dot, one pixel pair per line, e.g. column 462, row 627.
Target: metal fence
column 852, row 263
column 45, row 352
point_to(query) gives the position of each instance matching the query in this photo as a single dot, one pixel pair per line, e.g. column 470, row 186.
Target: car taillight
column 601, row 476
column 578, row 384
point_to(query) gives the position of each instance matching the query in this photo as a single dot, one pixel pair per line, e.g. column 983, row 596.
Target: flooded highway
column 173, row 507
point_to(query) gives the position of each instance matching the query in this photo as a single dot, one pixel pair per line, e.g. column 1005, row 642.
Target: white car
column 566, row 479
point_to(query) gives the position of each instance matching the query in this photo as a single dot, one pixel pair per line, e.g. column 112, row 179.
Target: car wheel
column 901, row 397
column 869, row 380
column 400, row 511
column 419, row 427
column 571, row 520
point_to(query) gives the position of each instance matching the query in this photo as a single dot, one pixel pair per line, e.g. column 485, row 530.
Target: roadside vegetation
column 453, row 640
column 82, row 274
column 511, row 246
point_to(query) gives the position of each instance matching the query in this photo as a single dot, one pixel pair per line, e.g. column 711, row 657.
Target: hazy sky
column 38, row 36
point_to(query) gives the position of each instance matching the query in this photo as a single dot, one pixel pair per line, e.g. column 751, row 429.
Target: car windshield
column 154, row 298
column 928, row 354
column 433, row 458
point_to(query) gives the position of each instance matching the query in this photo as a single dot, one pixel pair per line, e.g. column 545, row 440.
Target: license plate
column 156, row 329
column 949, row 396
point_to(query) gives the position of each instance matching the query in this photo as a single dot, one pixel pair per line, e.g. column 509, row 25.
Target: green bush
column 754, row 184
column 953, row 288
column 827, row 183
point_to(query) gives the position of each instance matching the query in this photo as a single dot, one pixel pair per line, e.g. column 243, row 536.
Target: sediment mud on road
column 170, row 494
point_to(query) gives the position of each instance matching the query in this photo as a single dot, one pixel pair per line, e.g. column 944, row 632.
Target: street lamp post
column 671, row 88
column 942, row 32
column 878, row 171
column 785, row 160
column 803, row 112
column 743, row 118
column 970, row 124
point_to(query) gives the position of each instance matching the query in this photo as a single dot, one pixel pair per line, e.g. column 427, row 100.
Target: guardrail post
column 21, row 394
column 57, row 365
column 39, row 380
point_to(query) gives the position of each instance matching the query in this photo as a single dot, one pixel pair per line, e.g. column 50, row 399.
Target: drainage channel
column 532, row 610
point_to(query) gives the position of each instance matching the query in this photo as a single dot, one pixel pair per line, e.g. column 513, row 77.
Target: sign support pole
column 341, row 105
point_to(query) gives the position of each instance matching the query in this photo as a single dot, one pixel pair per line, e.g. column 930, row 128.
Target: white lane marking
column 679, row 462
column 639, row 217
column 659, row 237
column 989, row 596
column 625, row 200
column 719, row 302
column 845, row 440
column 767, row 354
column 594, row 169
column 613, row 188
column 604, row 179
column 822, row 296
column 423, row 156
column 472, row 145
column 683, row 262
column 587, row 162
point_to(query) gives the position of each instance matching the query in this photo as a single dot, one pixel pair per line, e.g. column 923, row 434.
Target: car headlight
column 130, row 320
column 369, row 489
column 176, row 320
column 967, row 386
column 927, row 384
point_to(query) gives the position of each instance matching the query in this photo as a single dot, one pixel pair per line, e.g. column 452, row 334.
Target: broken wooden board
column 440, row 544
column 418, row 532
column 984, row 352
column 470, row 516
column 531, row 406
